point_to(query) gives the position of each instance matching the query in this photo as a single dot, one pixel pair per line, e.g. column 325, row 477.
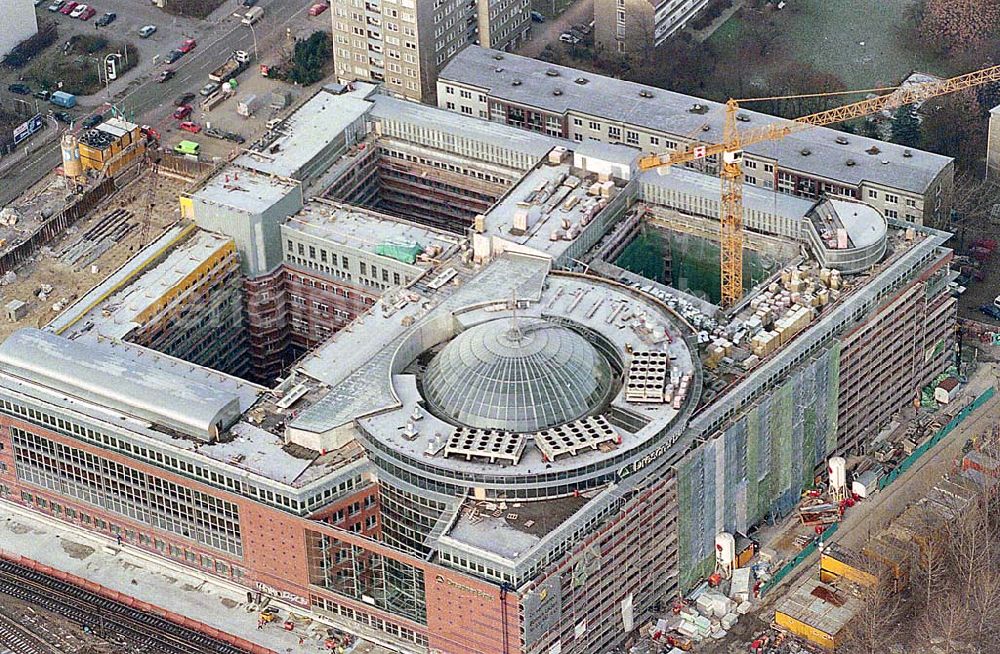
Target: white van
column 252, row 16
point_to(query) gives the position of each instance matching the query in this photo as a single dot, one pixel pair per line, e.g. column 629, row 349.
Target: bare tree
column 874, row 627
column 941, row 625
column 930, row 567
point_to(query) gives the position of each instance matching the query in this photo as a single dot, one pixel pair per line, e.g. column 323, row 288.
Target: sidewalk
column 145, row 577
column 703, row 34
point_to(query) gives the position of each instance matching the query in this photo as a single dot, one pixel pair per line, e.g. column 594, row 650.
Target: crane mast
column 734, row 141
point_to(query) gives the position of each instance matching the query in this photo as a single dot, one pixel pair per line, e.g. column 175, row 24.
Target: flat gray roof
column 117, row 315
column 693, row 183
column 362, row 229
column 244, row 189
column 309, row 130
column 669, row 112
column 498, row 134
column 864, row 224
column 136, row 381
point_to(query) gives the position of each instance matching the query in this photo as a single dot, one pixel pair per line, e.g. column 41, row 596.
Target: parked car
column 78, row 11
column 68, row 8
column 566, row 37
column 63, row 117
column 249, row 3
column 182, row 112
column 41, row 94
column 317, row 9
column 173, row 56
column 188, row 126
column 146, row 31
column 19, row 88
column 537, row 17
column 90, row 122
column 209, row 89
column 582, row 29
column 106, row 19
column 188, row 45
column 56, row 6
column 165, row 74
column 183, row 99
column 990, row 311
column 88, row 14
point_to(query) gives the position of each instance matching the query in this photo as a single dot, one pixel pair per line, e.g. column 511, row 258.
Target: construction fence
column 906, row 464
column 936, row 438
column 56, row 225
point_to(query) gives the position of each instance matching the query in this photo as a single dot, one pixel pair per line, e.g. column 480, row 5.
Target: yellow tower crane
column 734, row 141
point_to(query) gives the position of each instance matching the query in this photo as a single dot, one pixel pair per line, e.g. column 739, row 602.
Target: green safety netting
column 405, row 252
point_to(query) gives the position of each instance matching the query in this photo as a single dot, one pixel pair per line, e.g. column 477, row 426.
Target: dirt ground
column 62, row 635
column 68, row 282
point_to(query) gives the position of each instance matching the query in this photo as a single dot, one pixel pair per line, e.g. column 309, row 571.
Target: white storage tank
column 70, row 146
column 838, row 475
column 725, row 551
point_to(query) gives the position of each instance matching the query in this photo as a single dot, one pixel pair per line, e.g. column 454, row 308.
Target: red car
column 188, row 126
column 68, row 8
column 182, row 111
column 317, row 9
column 188, row 46
column 88, row 14
column 150, row 133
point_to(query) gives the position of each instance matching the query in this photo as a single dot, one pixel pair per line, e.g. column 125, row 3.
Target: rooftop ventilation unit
column 645, row 94
column 498, row 57
column 852, row 162
column 581, row 80
column 698, row 108
column 873, row 150
column 516, row 82
column 907, row 153
column 498, row 69
column 557, row 92
column 805, row 152
column 842, row 140
column 552, row 72
column 743, row 118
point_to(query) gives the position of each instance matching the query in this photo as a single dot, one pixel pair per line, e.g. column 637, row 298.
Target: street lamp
column 254, row 33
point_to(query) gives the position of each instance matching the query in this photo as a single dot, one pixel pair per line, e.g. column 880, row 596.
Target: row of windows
column 168, row 462
column 114, row 487
column 218, row 566
column 390, row 628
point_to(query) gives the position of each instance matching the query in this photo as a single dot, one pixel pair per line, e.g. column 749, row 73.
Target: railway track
column 20, row 640
column 142, row 631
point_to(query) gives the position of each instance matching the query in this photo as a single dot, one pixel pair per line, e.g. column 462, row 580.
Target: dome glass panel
column 520, row 376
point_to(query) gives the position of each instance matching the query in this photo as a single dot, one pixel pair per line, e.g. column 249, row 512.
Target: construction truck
column 235, row 65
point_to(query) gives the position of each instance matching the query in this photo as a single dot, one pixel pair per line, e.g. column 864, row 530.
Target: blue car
column 990, row 311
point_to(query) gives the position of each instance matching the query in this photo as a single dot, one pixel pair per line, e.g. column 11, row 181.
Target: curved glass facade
column 518, row 376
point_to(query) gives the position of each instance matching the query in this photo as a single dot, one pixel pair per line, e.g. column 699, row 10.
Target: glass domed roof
column 519, row 376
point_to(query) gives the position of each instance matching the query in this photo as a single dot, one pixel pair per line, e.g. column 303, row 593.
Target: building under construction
column 466, row 431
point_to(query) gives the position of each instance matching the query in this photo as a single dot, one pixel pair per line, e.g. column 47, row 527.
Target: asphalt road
column 152, row 102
